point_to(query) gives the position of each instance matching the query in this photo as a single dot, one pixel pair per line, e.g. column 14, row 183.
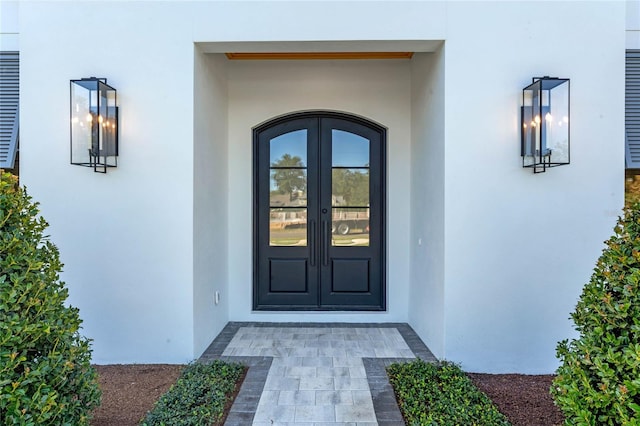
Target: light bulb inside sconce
column 100, row 119
column 537, row 119
column 548, row 117
column 533, row 124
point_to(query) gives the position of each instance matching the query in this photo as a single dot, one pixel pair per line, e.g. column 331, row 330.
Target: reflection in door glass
column 350, row 187
column 349, row 149
column 289, row 149
column 287, row 227
column 288, row 187
column 350, row 227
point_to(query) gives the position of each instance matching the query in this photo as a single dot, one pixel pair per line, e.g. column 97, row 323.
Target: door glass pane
column 350, row 187
column 288, row 187
column 349, row 149
column 289, row 149
column 287, row 227
column 350, row 226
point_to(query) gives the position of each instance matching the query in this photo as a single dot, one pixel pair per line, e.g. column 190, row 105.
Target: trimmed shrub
column 45, row 372
column 199, row 396
column 441, row 395
column 598, row 381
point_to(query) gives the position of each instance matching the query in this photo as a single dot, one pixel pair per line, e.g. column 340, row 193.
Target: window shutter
column 632, row 110
column 9, row 97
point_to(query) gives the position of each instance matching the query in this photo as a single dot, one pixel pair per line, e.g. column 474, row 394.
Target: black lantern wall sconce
column 545, row 123
column 94, row 124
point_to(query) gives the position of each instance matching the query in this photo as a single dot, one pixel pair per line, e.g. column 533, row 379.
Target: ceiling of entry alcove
column 376, row 49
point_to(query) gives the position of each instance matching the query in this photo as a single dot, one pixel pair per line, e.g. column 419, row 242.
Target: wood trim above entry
column 317, row 55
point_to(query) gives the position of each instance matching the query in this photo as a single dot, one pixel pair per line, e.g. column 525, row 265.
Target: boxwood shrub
column 45, row 372
column 441, row 395
column 598, row 381
column 199, row 396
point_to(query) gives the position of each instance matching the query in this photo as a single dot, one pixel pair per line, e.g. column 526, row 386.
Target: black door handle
column 312, row 242
column 325, row 243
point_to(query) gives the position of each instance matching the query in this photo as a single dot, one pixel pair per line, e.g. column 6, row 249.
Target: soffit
column 323, row 47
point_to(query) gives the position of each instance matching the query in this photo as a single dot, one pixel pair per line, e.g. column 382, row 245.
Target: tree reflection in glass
column 288, row 179
column 288, row 188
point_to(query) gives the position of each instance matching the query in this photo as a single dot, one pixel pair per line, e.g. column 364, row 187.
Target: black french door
column 319, row 198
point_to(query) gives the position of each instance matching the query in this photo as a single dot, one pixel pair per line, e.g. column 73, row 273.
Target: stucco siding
column 485, row 259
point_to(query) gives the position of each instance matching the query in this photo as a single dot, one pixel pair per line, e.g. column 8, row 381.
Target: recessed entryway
column 319, row 198
column 257, row 92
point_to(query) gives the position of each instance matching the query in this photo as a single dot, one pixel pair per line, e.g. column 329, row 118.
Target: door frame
column 255, row 205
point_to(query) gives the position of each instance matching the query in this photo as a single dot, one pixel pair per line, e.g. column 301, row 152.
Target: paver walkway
column 318, row 375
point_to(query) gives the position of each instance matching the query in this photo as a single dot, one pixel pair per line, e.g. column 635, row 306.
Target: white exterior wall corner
column 210, row 207
column 519, row 247
column 126, row 237
column 426, row 294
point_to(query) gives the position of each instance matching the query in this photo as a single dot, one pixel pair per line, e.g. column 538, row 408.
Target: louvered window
column 632, row 110
column 9, row 95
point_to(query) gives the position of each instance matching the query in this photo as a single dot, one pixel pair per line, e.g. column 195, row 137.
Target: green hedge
column 441, row 395
column 45, row 373
column 199, row 396
column 598, row 381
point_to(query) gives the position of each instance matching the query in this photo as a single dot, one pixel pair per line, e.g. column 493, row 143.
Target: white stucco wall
column 633, row 24
column 211, row 186
column 9, row 26
column 126, row 237
column 504, row 253
column 427, row 291
column 520, row 247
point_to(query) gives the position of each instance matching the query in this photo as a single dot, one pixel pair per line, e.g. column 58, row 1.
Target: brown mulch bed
column 129, row 391
column 525, row 400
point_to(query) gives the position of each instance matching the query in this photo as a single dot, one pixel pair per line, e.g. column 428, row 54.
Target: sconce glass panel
column 545, row 123
column 94, row 124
